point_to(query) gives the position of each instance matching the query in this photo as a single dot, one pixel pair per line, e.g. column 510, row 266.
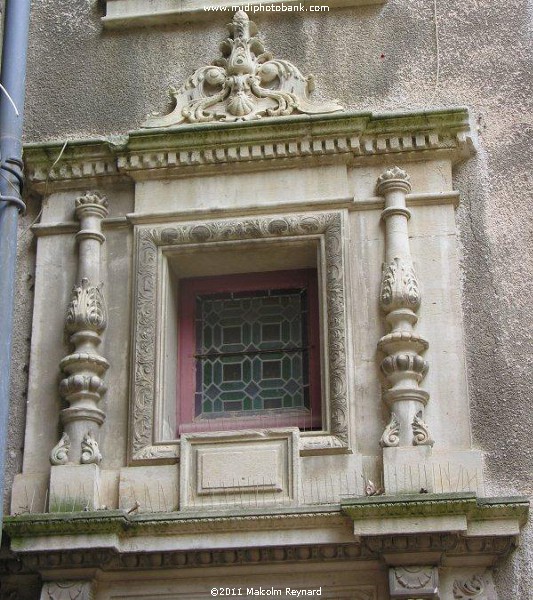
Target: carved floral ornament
column 245, row 84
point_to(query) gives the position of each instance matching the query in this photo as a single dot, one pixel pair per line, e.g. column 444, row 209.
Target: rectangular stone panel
column 239, row 468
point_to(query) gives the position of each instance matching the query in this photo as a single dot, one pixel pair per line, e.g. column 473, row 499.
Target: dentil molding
column 353, row 138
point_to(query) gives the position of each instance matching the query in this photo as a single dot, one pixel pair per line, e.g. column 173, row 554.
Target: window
column 249, row 351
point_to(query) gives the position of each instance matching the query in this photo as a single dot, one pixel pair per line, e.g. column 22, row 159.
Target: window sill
column 138, row 13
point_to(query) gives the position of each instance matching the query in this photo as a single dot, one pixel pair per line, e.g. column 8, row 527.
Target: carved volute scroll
column 86, row 319
column 246, row 83
column 400, row 298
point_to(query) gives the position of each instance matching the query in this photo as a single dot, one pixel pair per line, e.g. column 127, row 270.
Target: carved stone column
column 403, row 367
column 86, row 319
column 400, row 299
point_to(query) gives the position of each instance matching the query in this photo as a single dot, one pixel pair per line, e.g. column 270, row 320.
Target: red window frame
column 246, row 282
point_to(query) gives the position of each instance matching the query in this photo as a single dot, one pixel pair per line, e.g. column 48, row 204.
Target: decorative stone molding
column 303, row 139
column 86, row 319
column 400, row 298
column 245, row 84
column 328, row 227
column 411, row 582
column 67, row 590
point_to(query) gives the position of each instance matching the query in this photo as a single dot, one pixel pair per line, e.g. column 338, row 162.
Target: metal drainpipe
column 13, row 78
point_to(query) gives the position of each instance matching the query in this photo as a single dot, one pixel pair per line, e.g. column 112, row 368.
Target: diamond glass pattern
column 251, row 352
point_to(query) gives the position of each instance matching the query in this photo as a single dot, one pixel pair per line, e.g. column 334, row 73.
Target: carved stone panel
column 420, row 582
column 327, row 228
column 67, row 590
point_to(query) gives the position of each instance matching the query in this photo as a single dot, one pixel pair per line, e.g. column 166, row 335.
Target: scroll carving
column 90, row 453
column 469, row 588
column 421, row 435
column 246, row 83
column 59, row 453
column 391, row 435
column 328, row 225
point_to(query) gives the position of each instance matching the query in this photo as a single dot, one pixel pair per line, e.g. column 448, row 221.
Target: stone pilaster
column 86, row 319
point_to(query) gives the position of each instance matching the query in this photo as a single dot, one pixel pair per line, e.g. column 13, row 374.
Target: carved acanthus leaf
column 469, row 588
column 91, row 198
column 59, row 453
column 391, row 435
column 399, row 286
column 86, row 309
column 421, row 435
column 393, row 176
column 90, row 453
column 246, row 83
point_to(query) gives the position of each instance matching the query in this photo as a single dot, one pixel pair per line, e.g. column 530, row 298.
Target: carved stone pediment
column 245, row 84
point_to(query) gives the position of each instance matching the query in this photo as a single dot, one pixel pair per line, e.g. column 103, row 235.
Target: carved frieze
column 329, row 226
column 246, row 83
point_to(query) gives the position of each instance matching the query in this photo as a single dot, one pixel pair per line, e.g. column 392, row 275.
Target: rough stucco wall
column 83, row 81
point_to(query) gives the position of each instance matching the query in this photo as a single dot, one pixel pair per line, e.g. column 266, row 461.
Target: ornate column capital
column 91, row 203
column 393, row 179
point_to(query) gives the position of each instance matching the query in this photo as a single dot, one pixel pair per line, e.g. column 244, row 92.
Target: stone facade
column 390, row 497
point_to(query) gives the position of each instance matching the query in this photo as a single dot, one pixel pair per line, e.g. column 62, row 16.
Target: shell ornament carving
column 391, row 435
column 90, row 453
column 246, row 83
column 86, row 309
column 59, row 453
column 421, row 435
column 413, row 578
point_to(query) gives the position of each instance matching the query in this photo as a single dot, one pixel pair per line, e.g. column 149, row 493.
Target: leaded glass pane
column 251, row 352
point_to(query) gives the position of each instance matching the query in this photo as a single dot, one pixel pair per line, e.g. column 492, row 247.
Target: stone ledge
column 272, row 143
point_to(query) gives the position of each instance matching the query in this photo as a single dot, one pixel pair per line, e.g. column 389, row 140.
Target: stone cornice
column 268, row 143
column 436, row 505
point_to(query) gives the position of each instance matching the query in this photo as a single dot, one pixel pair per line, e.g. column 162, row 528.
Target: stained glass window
column 249, row 348
column 251, row 351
